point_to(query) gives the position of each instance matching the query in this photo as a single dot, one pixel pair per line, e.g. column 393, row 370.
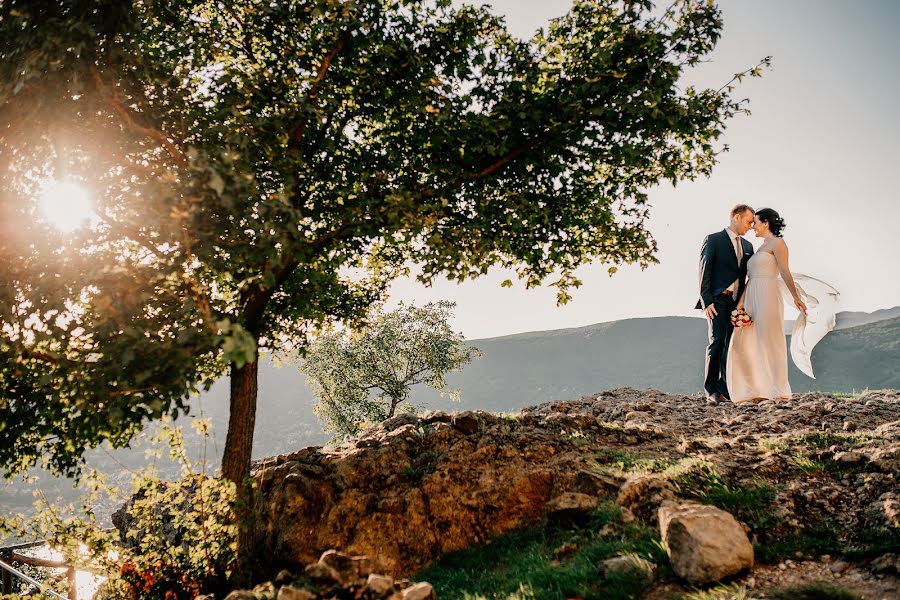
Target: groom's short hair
column 740, row 209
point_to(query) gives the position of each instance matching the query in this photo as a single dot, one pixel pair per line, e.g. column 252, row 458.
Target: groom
column 723, row 274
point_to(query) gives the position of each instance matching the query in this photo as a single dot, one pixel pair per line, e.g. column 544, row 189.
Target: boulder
column 419, row 591
column 704, row 543
column 379, row 585
column 289, row 593
column 571, row 506
column 627, row 567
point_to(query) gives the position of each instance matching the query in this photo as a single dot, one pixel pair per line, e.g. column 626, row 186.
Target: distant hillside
column 519, row 370
column 852, row 318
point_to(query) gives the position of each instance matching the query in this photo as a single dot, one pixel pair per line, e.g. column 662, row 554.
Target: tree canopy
column 261, row 169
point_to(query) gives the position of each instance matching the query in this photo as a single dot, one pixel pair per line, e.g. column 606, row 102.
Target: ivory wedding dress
column 757, row 358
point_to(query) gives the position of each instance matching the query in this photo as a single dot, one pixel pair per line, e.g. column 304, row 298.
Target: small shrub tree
column 365, row 377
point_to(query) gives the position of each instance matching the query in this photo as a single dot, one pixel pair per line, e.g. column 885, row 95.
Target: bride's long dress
column 757, row 358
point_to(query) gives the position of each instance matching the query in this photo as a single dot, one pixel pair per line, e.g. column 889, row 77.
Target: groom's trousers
column 720, row 330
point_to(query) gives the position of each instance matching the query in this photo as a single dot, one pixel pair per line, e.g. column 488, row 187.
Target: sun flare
column 66, row 205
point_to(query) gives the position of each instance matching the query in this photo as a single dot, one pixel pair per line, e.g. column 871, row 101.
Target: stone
column 419, row 591
column 398, row 421
column 321, row 572
column 643, row 494
column 341, row 564
column 264, row 591
column 628, row 567
column 241, row 595
column 850, row 458
column 839, row 566
column 887, row 510
column 380, row 585
column 284, row 577
column 565, row 551
column 595, row 484
column 886, row 564
column 571, row 506
column 705, row 544
column 289, row 593
column 467, row 422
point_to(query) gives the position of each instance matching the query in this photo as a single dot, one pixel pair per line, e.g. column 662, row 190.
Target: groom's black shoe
column 714, row 399
column 724, row 398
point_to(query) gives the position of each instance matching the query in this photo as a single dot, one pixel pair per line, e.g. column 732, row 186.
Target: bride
column 757, row 358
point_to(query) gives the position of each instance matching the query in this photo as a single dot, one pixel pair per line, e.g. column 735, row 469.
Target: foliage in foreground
column 364, row 377
column 180, row 537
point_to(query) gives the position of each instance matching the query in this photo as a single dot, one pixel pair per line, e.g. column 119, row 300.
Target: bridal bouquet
column 740, row 318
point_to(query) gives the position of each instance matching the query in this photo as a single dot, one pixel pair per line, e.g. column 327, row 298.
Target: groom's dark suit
column 718, row 270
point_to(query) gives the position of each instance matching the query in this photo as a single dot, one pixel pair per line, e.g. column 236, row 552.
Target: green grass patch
column 870, row 542
column 813, row 541
column 813, row 591
column 807, row 465
column 812, row 466
column 751, row 504
column 523, row 565
column 619, row 462
column 773, row 445
column 827, row 440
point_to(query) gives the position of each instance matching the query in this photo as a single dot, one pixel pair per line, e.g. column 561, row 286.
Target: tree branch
column 312, row 95
column 122, row 111
column 506, row 159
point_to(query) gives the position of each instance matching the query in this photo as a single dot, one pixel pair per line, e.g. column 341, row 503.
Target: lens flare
column 66, row 205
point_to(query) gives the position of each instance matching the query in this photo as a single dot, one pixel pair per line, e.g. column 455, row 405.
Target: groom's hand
column 710, row 311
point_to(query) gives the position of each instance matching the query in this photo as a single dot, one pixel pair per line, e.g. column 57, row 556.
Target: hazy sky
column 822, row 147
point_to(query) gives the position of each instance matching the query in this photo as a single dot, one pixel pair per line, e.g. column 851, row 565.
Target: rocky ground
column 812, row 482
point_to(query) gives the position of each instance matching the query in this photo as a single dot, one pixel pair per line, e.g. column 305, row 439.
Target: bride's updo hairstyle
column 776, row 223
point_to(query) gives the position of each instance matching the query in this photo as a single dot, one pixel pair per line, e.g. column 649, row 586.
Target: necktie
column 740, row 249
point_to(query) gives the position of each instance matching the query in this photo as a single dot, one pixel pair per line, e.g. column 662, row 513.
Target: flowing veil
column 821, row 306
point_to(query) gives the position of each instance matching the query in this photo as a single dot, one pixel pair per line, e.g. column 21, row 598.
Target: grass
column 827, row 440
column 522, row 565
column 751, row 504
column 773, row 445
column 813, row 541
column 619, row 462
column 721, row 592
column 813, row 467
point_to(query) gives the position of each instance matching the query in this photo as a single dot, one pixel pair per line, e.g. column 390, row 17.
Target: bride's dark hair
column 776, row 223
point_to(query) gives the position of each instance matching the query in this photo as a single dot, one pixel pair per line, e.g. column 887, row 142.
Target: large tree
column 261, row 168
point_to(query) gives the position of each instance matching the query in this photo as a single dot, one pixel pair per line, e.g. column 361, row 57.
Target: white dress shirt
column 738, row 254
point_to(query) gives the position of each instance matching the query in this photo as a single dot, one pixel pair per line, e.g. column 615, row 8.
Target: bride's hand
column 800, row 305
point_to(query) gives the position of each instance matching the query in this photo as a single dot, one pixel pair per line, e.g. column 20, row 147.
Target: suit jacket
column 719, row 267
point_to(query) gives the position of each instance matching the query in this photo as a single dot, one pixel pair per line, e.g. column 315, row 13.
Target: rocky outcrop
column 415, row 488
column 705, row 544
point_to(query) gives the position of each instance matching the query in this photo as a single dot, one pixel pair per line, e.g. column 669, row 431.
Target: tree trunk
column 236, row 461
column 241, row 421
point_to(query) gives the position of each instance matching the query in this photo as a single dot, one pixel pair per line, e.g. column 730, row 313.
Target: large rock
column 418, row 489
column 705, row 544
